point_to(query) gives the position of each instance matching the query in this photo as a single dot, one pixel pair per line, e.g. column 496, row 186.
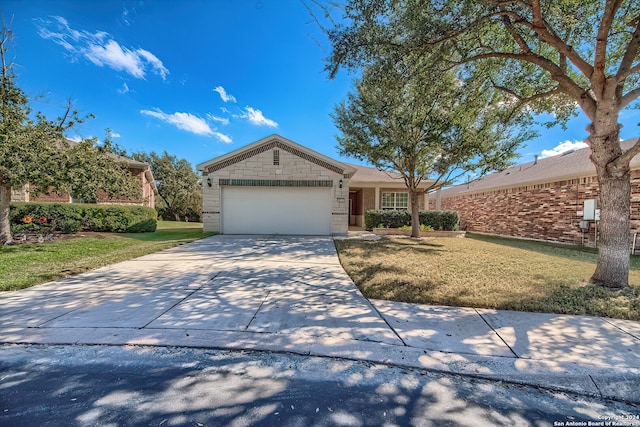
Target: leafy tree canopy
column 178, row 185
column 409, row 117
column 550, row 56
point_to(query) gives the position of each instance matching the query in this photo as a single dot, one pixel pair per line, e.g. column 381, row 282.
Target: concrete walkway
column 290, row 294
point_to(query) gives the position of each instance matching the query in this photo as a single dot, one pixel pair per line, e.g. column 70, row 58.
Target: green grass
column 486, row 272
column 26, row 265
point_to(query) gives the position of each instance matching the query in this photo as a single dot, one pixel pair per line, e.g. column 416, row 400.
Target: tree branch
column 541, row 28
column 626, row 65
column 566, row 84
column 525, row 100
column 600, row 57
column 629, row 154
column 629, row 97
column 517, row 37
column 630, row 71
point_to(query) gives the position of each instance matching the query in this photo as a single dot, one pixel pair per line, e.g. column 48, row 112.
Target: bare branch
column 600, row 59
column 525, row 100
column 517, row 37
column 629, row 97
column 538, row 21
column 626, row 65
column 628, row 155
column 630, row 71
column 566, row 84
column 541, row 28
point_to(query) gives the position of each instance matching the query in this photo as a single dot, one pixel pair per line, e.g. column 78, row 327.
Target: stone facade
column 545, row 211
column 297, row 167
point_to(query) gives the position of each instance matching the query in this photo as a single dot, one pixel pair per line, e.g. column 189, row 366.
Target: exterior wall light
column 209, row 183
column 340, row 183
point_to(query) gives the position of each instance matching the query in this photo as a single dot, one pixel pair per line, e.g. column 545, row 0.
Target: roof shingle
column 569, row 165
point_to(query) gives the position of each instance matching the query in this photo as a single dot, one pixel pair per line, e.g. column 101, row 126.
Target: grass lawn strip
column 486, row 272
column 26, row 265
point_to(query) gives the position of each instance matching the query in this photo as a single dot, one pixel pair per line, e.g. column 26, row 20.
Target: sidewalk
column 286, row 294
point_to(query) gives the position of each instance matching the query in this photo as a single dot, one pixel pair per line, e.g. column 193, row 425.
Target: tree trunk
column 5, row 201
column 415, row 213
column 612, row 270
column 614, row 178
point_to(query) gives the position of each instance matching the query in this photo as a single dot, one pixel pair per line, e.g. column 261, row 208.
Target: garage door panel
column 276, row 210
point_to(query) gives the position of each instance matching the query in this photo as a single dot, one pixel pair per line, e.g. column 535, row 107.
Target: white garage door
column 276, row 210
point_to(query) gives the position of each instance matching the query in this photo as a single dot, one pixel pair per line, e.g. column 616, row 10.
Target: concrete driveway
column 290, row 294
column 249, row 291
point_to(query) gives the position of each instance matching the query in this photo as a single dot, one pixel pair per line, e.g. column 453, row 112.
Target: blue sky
column 195, row 78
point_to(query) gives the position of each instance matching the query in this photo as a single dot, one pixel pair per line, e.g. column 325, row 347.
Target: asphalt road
column 144, row 386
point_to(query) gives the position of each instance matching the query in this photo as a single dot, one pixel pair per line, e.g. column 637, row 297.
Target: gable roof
column 569, row 165
column 365, row 176
column 268, row 143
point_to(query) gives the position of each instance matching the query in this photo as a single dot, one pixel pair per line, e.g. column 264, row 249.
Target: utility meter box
column 589, row 211
column 584, row 225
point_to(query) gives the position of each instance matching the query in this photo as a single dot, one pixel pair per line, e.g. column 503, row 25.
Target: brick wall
column 544, row 211
column 146, row 190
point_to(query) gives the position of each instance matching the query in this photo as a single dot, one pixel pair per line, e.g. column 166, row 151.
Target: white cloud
column 226, row 97
column 222, row 120
column 562, row 148
column 124, row 89
column 256, row 117
column 187, row 122
column 76, row 138
column 156, row 64
column 100, row 48
column 113, row 55
column 222, row 137
column 115, row 135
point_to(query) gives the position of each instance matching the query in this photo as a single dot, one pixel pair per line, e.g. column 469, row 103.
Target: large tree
column 178, row 185
column 551, row 56
column 34, row 150
column 98, row 170
column 428, row 126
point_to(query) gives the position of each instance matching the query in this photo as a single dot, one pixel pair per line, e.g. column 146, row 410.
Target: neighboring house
column 542, row 199
column 139, row 170
column 276, row 186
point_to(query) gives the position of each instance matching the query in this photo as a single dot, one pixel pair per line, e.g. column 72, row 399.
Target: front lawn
column 486, row 272
column 26, row 265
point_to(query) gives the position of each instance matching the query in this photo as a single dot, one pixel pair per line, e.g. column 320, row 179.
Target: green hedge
column 439, row 220
column 38, row 218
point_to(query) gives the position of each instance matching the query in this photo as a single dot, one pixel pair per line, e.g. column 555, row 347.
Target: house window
column 395, row 201
column 276, row 157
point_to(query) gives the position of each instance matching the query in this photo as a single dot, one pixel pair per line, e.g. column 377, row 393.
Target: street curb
column 618, row 383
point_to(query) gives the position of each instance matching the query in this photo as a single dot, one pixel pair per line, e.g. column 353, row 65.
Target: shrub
column 436, row 220
column 388, row 219
column 71, row 218
column 70, row 226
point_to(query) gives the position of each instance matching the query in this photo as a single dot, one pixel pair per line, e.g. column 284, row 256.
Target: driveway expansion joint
column 498, row 335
